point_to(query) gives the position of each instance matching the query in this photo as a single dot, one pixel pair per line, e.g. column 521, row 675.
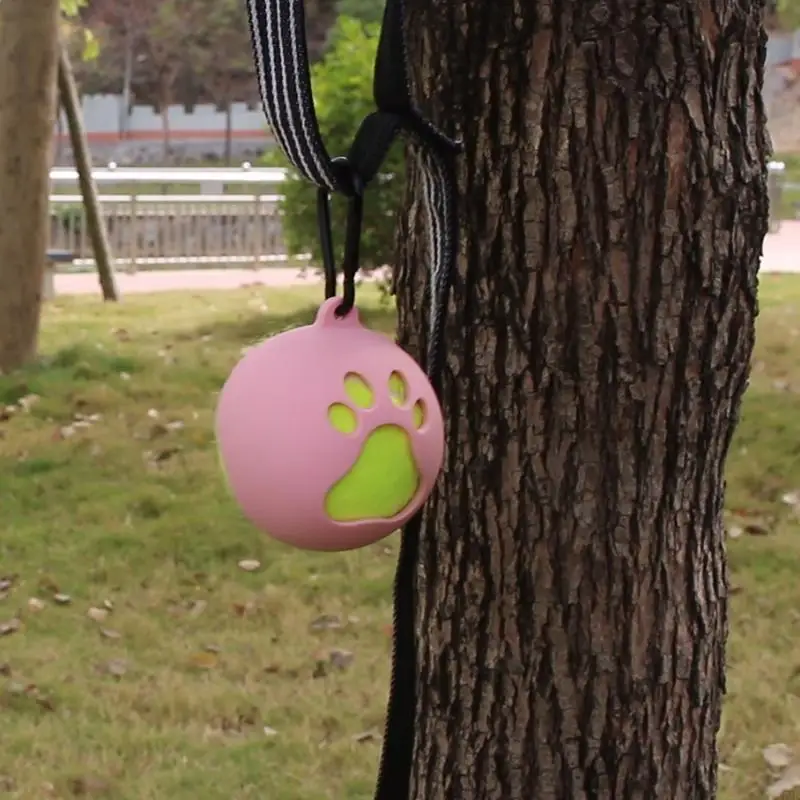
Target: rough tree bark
column 28, row 68
column 572, row 586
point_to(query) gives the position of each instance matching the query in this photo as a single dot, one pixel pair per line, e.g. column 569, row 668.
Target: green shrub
column 343, row 97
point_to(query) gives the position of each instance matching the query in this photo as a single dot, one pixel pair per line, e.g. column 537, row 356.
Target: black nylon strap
column 281, row 57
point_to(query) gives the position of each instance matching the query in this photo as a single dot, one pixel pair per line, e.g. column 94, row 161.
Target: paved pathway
column 781, row 254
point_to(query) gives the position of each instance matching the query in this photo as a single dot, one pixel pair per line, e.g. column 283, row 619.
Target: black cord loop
column 326, row 240
column 352, row 243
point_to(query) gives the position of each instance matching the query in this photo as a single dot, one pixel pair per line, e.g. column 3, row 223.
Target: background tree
column 168, row 24
column 786, row 13
column 220, row 60
column 148, row 48
column 572, row 595
column 28, row 70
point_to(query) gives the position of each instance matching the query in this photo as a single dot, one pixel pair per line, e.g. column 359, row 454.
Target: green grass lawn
column 790, row 196
column 140, row 661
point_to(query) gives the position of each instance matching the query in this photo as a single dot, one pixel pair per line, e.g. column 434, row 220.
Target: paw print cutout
column 385, row 477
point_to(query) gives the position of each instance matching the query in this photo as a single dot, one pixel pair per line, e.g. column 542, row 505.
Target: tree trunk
column 98, row 234
column 28, row 62
column 165, row 129
column 228, row 155
column 572, row 586
column 59, row 153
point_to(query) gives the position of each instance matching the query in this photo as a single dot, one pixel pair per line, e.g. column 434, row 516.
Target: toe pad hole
column 358, row 390
column 398, row 389
column 342, row 418
column 419, row 414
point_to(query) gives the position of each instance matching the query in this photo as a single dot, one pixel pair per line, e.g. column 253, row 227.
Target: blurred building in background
column 143, row 136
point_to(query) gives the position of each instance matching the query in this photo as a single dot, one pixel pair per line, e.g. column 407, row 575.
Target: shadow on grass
column 74, row 364
column 254, row 327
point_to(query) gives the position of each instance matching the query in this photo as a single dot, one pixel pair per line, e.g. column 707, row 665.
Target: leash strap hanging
column 281, row 57
column 282, row 67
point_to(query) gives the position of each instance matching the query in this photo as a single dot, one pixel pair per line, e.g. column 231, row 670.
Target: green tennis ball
column 381, row 483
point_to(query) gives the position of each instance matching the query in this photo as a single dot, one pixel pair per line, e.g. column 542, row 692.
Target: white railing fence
column 222, row 217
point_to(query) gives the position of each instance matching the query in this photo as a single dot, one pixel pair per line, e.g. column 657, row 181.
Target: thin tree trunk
column 83, row 163
column 127, row 80
column 59, row 153
column 228, row 132
column 28, row 65
column 165, row 129
column 572, row 592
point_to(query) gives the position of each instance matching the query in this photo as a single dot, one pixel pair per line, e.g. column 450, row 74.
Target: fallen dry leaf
column 778, row 756
column 35, row 604
column 367, row 736
column 32, row 691
column 341, row 659
column 204, row 660
column 116, row 668
column 197, row 607
column 48, row 584
column 28, row 402
column 243, row 609
column 338, row 659
column 790, row 779
column 156, row 431
column 756, row 529
column 792, row 499
column 12, row 626
column 156, row 457
column 249, row 565
column 41, row 699
column 327, row 622
column 88, row 787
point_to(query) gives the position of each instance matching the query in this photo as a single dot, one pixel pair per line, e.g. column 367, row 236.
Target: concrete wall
column 137, row 137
